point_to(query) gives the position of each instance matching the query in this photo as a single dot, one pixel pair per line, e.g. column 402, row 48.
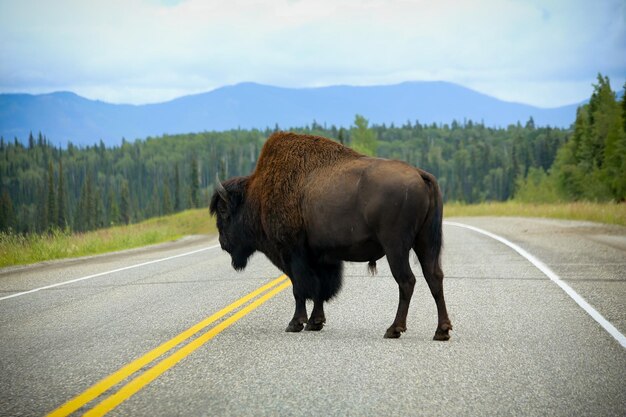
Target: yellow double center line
column 149, row 375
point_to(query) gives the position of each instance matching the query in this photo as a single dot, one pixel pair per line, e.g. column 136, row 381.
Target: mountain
column 65, row 116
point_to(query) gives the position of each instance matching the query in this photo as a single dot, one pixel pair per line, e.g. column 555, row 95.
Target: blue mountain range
column 66, row 117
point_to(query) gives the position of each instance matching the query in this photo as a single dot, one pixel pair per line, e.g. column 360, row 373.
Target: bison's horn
column 220, row 188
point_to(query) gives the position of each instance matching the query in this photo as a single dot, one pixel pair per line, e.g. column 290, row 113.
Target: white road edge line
column 106, row 273
column 555, row 278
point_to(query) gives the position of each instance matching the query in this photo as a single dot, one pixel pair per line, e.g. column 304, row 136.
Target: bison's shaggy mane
column 285, row 162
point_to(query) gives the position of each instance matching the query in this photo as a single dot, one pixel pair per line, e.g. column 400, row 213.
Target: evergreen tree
column 154, row 209
column 195, row 183
column 80, row 216
column 97, row 207
column 167, row 199
column 340, row 137
column 88, row 214
column 177, row 203
column 42, row 209
column 61, row 200
column 51, row 203
column 7, row 215
column 614, row 168
column 113, row 208
column 623, row 103
column 89, row 205
column 125, row 203
column 604, row 107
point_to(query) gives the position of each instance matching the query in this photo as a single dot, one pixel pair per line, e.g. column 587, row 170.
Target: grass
column 20, row 250
column 609, row 213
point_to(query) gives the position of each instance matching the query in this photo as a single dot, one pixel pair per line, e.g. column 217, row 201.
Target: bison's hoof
column 394, row 332
column 294, row 327
column 441, row 335
column 442, row 332
column 314, row 326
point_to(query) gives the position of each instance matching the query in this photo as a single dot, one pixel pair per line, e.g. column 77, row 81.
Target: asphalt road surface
column 154, row 332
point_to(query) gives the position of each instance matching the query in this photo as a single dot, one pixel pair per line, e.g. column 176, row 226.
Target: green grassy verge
column 19, row 250
column 610, row 213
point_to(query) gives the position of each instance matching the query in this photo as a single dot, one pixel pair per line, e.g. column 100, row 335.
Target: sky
column 544, row 53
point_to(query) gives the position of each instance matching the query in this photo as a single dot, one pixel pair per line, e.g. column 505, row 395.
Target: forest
column 43, row 187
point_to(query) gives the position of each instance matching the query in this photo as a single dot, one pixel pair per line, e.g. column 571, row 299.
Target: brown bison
column 312, row 203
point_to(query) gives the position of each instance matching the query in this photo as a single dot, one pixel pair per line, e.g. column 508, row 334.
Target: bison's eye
column 223, row 211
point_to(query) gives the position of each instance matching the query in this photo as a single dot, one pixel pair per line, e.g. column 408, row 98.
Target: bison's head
column 228, row 205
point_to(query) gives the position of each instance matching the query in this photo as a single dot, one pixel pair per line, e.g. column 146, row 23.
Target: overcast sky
column 546, row 53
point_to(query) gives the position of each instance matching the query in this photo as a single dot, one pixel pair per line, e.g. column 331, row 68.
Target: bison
column 312, row 203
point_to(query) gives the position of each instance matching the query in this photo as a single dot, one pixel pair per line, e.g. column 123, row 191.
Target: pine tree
column 177, row 203
column 603, row 114
column 125, row 204
column 42, row 208
column 167, row 199
column 114, row 209
column 61, row 200
column 85, row 219
column 614, row 168
column 97, row 207
column 195, row 183
column 340, row 137
column 154, row 209
column 89, row 206
column 7, row 215
column 623, row 103
column 51, row 203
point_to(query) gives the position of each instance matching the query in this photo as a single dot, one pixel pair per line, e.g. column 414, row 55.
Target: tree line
column 84, row 188
column 592, row 164
column 43, row 187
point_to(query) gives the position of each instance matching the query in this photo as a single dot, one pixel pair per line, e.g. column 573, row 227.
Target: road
column 520, row 344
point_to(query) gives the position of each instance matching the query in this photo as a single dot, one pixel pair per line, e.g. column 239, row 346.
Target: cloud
column 544, row 53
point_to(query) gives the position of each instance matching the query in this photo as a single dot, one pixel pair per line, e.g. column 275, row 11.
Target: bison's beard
column 239, row 263
column 239, row 258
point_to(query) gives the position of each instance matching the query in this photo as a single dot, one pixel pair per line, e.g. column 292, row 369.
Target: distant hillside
column 64, row 116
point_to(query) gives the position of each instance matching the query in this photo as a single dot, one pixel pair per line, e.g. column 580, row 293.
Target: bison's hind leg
column 434, row 277
column 401, row 270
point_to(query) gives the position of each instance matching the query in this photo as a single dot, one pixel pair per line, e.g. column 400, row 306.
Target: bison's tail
column 434, row 220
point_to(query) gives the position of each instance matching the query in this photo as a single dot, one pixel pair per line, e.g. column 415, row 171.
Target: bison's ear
column 213, row 204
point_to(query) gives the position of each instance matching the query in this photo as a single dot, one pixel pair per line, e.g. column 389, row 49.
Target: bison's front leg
column 299, row 316
column 317, row 319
